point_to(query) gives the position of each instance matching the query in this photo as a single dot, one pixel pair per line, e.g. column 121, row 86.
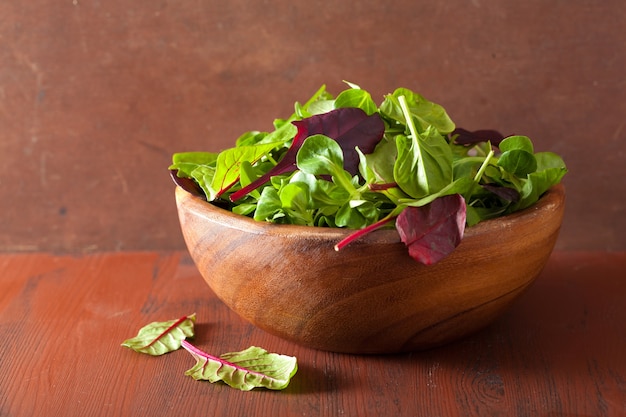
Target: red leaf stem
column 166, row 331
column 202, row 354
column 382, row 187
column 362, row 232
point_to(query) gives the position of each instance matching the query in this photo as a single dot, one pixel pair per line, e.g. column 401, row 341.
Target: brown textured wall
column 96, row 95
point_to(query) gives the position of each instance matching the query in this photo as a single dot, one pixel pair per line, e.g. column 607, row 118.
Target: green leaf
column 247, row 174
column 546, row 160
column 426, row 112
column 424, row 163
column 537, row 184
column 522, row 143
column 245, row 370
column 250, row 138
column 294, row 198
column 323, row 194
column 378, row 165
column 269, row 207
column 158, row 338
column 227, row 169
column 203, row 175
column 518, row 162
column 320, row 155
column 460, row 186
column 355, row 97
column 186, row 162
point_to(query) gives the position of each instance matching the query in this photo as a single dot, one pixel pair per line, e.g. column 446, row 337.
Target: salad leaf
column 245, row 370
column 228, row 164
column 355, row 97
column 423, row 165
column 424, row 111
column 343, row 162
column 350, row 127
column 185, row 162
column 424, row 162
column 433, row 231
column 269, row 206
column 465, row 137
column 158, row 338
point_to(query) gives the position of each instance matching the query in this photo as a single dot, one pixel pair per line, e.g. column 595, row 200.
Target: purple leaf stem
column 166, row 331
column 202, row 354
column 362, row 232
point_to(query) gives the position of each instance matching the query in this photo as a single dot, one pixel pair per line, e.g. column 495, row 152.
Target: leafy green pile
column 347, row 162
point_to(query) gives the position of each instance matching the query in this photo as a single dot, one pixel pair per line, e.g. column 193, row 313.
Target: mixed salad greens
column 347, row 162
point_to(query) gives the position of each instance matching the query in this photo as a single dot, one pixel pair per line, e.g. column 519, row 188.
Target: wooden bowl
column 370, row 297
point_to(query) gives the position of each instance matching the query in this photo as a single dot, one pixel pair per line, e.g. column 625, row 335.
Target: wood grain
column 558, row 352
column 95, row 96
column 370, row 297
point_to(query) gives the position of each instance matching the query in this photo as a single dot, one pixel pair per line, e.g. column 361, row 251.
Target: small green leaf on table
column 158, row 338
column 245, row 370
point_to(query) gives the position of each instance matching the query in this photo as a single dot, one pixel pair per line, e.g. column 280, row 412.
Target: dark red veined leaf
column 466, row 137
column 186, row 184
column 505, row 193
column 433, row 231
column 349, row 127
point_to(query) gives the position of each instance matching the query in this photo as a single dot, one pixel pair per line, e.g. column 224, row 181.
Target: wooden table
column 560, row 351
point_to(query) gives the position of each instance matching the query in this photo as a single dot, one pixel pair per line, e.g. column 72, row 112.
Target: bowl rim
column 551, row 200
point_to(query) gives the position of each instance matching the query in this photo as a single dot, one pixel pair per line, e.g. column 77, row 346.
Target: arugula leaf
column 158, row 338
column 245, row 370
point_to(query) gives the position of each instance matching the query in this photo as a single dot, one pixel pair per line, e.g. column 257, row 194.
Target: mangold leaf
column 158, row 338
column 245, row 370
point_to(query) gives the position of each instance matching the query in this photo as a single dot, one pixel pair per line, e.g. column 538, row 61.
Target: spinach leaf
column 426, row 112
column 424, row 162
column 358, row 98
column 518, row 162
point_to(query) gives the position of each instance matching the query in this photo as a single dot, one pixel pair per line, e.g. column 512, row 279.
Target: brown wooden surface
column 95, row 96
column 560, row 351
column 301, row 289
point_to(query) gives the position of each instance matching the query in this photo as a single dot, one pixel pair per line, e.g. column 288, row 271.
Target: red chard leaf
column 349, row 127
column 505, row 193
column 433, row 231
column 186, row 184
column 352, row 127
column 466, row 137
